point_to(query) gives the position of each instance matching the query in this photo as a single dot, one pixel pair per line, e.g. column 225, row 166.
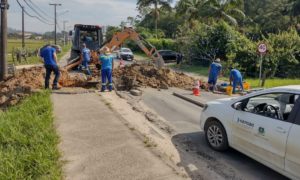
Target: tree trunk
column 264, row 77
column 156, row 19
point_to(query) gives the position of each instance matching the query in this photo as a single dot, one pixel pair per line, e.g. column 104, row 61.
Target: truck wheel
column 216, row 136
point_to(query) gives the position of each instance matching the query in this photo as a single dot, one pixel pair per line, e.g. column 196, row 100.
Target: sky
column 93, row 12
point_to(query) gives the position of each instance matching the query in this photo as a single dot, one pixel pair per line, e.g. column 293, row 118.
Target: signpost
column 262, row 49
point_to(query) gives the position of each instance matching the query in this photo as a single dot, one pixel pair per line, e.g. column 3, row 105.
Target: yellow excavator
column 117, row 40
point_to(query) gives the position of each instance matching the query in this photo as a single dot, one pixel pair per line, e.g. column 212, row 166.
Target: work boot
column 56, row 88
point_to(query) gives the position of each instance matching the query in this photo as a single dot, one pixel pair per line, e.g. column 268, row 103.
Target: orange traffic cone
column 196, row 89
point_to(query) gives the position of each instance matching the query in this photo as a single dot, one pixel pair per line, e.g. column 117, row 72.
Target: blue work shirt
column 86, row 54
column 215, row 69
column 47, row 54
column 106, row 61
column 235, row 75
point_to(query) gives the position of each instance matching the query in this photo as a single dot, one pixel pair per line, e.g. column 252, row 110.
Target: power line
column 35, row 11
column 37, row 7
column 32, row 15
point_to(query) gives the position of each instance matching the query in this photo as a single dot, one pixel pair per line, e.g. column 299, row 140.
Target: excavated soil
column 26, row 81
column 137, row 75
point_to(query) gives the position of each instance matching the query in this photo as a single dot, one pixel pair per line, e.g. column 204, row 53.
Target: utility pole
column 55, row 19
column 64, row 22
column 23, row 28
column 3, row 40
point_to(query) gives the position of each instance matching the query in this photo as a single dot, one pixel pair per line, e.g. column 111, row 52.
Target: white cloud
column 101, row 12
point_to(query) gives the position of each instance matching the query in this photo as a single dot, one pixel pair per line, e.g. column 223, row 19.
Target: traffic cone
column 196, row 89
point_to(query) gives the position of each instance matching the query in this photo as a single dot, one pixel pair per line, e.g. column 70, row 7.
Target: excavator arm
column 118, row 39
column 129, row 33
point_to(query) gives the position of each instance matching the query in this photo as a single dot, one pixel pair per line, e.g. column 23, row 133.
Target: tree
column 269, row 16
column 110, row 31
column 190, row 10
column 158, row 5
column 228, row 10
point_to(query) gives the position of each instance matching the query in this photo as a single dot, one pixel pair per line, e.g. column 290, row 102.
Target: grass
column 198, row 70
column 28, row 141
column 273, row 82
column 30, row 45
column 140, row 55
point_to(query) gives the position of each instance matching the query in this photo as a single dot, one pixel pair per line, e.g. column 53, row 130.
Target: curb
column 189, row 99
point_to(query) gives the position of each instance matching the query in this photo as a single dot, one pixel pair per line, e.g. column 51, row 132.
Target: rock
column 3, row 99
column 136, row 92
column 164, row 86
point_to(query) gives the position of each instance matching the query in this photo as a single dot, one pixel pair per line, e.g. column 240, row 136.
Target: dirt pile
column 26, row 81
column 138, row 75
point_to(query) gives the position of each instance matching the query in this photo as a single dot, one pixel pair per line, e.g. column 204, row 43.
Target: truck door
column 261, row 131
column 292, row 160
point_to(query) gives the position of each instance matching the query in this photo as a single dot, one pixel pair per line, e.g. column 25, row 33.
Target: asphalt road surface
column 185, row 117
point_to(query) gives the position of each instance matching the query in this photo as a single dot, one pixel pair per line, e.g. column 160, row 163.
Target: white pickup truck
column 264, row 125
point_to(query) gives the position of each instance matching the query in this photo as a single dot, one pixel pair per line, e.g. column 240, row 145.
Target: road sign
column 262, row 48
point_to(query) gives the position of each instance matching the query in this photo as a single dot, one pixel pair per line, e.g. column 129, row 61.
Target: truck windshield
column 88, row 36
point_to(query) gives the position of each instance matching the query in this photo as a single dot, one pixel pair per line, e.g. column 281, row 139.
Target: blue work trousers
column 106, row 74
column 49, row 70
column 237, row 82
column 85, row 64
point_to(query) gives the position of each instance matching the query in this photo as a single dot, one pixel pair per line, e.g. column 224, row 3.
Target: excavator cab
column 91, row 35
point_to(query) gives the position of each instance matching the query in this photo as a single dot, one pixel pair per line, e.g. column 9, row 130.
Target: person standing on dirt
column 48, row 54
column 214, row 72
column 236, row 78
column 86, row 57
column 107, row 66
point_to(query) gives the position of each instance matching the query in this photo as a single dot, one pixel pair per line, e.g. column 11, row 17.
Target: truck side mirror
column 238, row 106
column 70, row 33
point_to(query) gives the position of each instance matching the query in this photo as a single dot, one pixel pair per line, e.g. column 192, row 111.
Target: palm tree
column 227, row 10
column 190, row 9
column 158, row 4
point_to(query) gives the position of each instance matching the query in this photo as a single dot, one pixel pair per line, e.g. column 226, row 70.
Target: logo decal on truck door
column 245, row 123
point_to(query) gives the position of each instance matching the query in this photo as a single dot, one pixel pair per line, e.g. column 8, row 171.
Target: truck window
column 88, row 36
column 277, row 106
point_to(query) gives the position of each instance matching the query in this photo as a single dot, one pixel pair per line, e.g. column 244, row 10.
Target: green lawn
column 30, row 45
column 28, row 140
column 199, row 70
column 274, row 82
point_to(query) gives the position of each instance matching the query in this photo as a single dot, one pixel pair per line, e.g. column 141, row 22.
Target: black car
column 168, row 55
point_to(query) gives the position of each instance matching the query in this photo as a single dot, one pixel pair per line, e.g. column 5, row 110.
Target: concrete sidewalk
column 199, row 100
column 96, row 144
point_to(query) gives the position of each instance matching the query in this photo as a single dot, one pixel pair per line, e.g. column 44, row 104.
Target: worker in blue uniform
column 236, row 79
column 49, row 57
column 214, row 72
column 86, row 57
column 107, row 65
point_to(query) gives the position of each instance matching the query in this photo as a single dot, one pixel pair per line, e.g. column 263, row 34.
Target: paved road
column 185, row 118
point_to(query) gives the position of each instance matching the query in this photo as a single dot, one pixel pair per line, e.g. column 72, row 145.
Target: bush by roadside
column 28, row 141
column 205, row 43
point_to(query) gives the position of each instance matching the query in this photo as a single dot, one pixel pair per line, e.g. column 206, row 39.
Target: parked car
column 264, row 125
column 125, row 54
column 168, row 55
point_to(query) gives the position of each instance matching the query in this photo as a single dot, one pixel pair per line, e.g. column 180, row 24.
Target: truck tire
column 216, row 136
